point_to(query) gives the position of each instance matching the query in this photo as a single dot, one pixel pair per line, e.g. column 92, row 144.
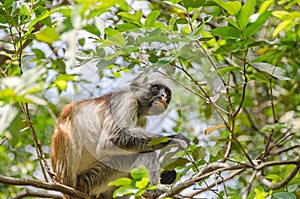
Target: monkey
column 99, row 140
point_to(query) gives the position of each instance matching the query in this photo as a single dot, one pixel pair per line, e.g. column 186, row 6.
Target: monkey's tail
column 64, row 153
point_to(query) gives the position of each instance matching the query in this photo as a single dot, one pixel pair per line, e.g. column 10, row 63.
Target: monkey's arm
column 137, row 140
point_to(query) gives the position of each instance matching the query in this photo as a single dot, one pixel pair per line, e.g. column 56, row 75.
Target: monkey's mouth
column 161, row 103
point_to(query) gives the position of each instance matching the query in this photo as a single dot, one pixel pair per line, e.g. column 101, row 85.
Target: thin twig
column 3, row 140
column 274, row 121
column 181, row 84
column 211, row 62
column 209, row 187
column 38, row 147
column 41, row 155
column 249, row 185
column 275, row 153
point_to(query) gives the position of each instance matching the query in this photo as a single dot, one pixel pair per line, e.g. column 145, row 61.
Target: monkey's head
column 153, row 97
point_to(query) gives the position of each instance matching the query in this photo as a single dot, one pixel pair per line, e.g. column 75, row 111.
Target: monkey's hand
column 179, row 139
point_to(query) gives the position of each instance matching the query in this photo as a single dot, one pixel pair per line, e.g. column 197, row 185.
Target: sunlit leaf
column 151, row 18
column 131, row 17
column 245, row 13
column 47, row 35
column 125, row 190
column 143, row 183
column 120, row 182
column 213, row 128
column 232, row 7
column 281, row 27
column 139, row 173
column 265, row 5
column 256, row 26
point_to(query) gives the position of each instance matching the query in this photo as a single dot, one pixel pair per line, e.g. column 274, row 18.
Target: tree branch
column 217, row 167
column 280, row 184
column 27, row 193
column 44, row 185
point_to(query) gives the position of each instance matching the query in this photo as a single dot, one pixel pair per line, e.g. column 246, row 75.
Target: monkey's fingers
column 181, row 141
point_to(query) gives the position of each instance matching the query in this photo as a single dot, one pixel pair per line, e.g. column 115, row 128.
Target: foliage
column 234, row 64
column 135, row 185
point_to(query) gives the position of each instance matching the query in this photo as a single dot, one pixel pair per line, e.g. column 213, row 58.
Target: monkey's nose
column 164, row 95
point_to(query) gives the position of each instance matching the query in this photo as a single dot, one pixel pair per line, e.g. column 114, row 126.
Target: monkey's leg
column 95, row 180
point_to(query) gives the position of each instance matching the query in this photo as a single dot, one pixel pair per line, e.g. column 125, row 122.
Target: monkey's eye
column 155, row 88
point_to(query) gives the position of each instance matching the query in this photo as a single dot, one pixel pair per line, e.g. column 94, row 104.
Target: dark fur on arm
column 137, row 140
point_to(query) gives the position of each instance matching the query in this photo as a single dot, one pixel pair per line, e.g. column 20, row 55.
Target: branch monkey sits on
column 99, row 140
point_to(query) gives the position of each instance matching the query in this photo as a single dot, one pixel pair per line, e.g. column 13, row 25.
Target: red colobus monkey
column 100, row 140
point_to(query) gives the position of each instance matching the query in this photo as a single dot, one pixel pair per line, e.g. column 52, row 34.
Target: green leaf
column 61, row 84
column 84, row 55
column 232, row 7
column 292, row 187
column 139, row 173
column 153, row 58
column 38, row 53
column 281, row 26
column 227, row 32
column 259, row 77
column 102, row 64
column 245, row 13
column 274, row 71
column 158, row 38
column 65, row 77
column 124, row 190
column 143, row 183
column 152, row 18
column 91, row 29
column 193, row 3
column 256, row 26
column 284, row 195
column 176, row 5
column 120, row 182
column 115, row 37
column 181, row 21
column 47, row 35
column 199, row 153
column 126, row 26
column 265, row 5
column 166, row 60
column 270, row 127
column 158, row 141
column 226, row 69
column 178, row 162
column 133, row 18
column 170, row 70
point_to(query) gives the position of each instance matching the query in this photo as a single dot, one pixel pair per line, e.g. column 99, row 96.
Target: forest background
column 234, row 68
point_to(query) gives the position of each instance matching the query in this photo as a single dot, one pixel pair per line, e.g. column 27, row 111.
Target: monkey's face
column 153, row 98
column 160, row 99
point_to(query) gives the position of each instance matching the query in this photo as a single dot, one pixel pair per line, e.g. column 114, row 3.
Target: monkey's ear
column 134, row 86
